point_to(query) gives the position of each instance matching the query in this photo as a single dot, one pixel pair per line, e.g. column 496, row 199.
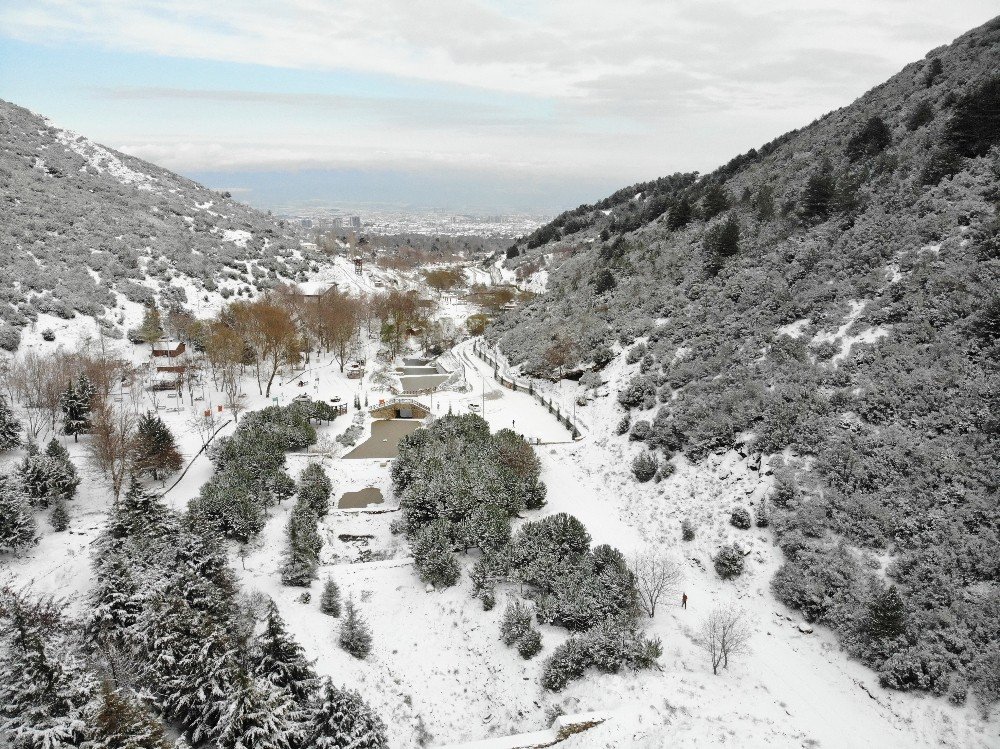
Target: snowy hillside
column 87, row 230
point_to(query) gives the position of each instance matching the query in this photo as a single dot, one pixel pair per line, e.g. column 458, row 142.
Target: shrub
column 644, row 466
column 516, row 622
column 687, row 530
column 641, row 431
column 639, row 392
column 623, row 425
column 785, row 492
column 636, row 353
column 529, row 644
column 761, row 517
column 568, row 662
column 48, row 335
column 740, row 518
column 873, row 138
column 488, row 599
column 729, row 562
column 919, row 116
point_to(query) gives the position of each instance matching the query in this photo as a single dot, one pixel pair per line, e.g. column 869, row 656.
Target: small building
column 168, row 349
column 400, row 408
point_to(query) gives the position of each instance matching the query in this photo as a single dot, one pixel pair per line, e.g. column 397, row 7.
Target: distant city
column 387, row 222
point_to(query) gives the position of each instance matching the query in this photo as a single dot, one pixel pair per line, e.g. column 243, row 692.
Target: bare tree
column 113, row 444
column 725, row 632
column 656, row 575
column 205, row 424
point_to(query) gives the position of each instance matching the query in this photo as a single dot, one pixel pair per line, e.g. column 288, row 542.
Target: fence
column 527, row 387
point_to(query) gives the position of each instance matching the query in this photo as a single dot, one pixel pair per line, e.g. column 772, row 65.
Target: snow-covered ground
column 439, row 674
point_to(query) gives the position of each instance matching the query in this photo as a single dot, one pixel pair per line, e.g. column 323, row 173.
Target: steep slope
column 830, row 300
column 85, row 228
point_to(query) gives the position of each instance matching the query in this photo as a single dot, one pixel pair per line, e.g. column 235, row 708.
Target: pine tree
column 59, row 517
column 344, row 721
column 75, row 406
column 152, row 325
column 355, row 635
column 256, row 716
column 315, row 487
column 156, row 449
column 304, row 544
column 46, row 479
column 121, row 722
column 329, row 602
column 17, row 524
column 680, row 215
column 281, row 660
column 716, row 201
column 10, row 427
column 885, row 616
column 56, row 449
column 137, row 513
column 45, row 689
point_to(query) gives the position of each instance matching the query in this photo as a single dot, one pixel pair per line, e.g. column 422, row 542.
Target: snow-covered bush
column 515, row 622
column 740, row 518
column 641, row 431
column 355, row 635
column 639, row 392
column 623, row 425
column 644, row 466
column 529, row 644
column 728, row 561
column 635, row 353
column 687, row 529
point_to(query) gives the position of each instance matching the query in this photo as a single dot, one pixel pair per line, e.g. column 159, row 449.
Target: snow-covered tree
column 281, row 660
column 46, row 479
column 315, row 487
column 344, row 721
column 433, row 557
column 60, row 516
column 10, row 427
column 304, row 543
column 355, row 635
column 122, row 722
column 75, row 405
column 257, row 716
column 156, row 449
column 17, row 524
column 45, row 689
column 329, row 602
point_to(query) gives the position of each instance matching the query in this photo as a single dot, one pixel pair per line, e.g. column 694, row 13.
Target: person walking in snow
column 684, row 600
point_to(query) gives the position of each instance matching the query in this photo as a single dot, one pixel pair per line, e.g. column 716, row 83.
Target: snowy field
column 439, row 674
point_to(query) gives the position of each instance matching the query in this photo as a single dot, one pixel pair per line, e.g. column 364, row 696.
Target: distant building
column 355, row 222
column 400, row 408
column 306, row 223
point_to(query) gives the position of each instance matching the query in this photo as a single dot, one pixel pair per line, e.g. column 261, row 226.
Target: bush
column 516, row 622
column 568, row 662
column 641, row 431
column 761, row 517
column 873, row 138
column 644, row 466
column 488, row 599
column 529, row 644
column 729, row 562
column 623, row 425
column 687, row 530
column 785, row 492
column 639, row 392
column 635, row 353
column 740, row 518
column 48, row 335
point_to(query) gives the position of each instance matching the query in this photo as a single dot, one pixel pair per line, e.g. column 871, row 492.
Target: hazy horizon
column 489, row 105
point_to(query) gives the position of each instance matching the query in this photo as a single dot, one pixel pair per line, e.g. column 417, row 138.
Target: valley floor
column 438, row 672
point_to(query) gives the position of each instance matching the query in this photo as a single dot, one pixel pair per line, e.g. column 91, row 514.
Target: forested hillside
column 831, row 299
column 84, row 228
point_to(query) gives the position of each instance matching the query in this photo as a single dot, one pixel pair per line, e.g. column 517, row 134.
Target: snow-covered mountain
column 829, row 300
column 87, row 229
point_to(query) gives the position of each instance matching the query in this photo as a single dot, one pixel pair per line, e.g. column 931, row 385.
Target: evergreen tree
column 75, row 405
column 817, row 198
column 56, row 449
column 355, row 635
column 680, row 215
column 59, row 517
column 46, row 479
column 10, row 427
column 433, row 557
column 152, row 325
column 344, row 721
column 716, row 201
column 721, row 241
column 45, row 690
column 304, row 544
column 280, row 659
column 17, row 524
column 315, row 487
column 156, row 450
column 121, row 722
column 329, row 602
column 138, row 513
column 885, row 615
column 257, row 716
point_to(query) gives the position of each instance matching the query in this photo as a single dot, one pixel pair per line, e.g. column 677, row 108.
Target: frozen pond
column 363, row 498
column 418, row 370
column 386, row 434
column 413, row 361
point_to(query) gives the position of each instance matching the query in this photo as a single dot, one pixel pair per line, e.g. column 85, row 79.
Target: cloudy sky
column 465, row 104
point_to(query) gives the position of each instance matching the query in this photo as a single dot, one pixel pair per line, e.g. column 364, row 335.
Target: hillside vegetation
column 832, row 298
column 86, row 228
